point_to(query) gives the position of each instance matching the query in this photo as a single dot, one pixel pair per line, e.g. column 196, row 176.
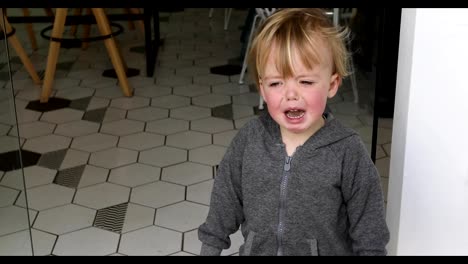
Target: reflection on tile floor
column 132, row 176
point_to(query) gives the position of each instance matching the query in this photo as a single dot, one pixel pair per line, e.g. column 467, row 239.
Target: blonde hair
column 302, row 29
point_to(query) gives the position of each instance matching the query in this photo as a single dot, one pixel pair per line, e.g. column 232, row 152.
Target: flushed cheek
column 316, row 104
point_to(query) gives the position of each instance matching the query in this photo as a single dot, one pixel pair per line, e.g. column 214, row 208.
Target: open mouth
column 295, row 113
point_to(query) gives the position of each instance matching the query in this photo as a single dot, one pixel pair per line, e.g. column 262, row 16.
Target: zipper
column 284, row 183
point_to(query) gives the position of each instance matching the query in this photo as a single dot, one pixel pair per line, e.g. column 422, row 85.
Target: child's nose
column 291, row 93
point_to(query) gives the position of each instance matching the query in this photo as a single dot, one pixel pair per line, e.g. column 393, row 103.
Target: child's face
column 297, row 103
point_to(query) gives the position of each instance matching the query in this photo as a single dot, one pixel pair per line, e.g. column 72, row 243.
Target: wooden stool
column 14, row 42
column 54, row 48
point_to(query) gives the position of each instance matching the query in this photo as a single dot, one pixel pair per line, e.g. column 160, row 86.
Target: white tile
column 148, row 114
column 62, row 116
column 192, row 70
column 34, row 176
column 200, row 192
column 150, row 241
column 211, row 100
column 113, row 158
column 134, row 175
column 137, row 217
column 182, row 216
column 230, row 89
column 45, row 144
column 182, row 253
column 162, row 156
column 94, row 142
column 74, row 158
column 49, row 196
column 113, row 114
column 380, row 153
column 224, row 138
column 190, row 113
column 167, row 126
column 8, row 144
column 191, row 242
column 188, row 139
column 102, row 195
column 384, row 135
column 187, row 173
column 34, row 129
column 4, row 130
column 128, row 103
column 64, row 219
column 212, row 125
column 93, row 175
column 13, row 219
column 75, row 93
column 63, row 83
column 349, row 120
column 16, row 244
column 43, row 242
column 140, row 81
column 241, row 111
column 173, row 81
column 109, row 92
column 7, row 196
column 210, row 155
column 97, row 103
column 383, row 166
column 170, row 101
column 30, row 94
column 87, row 242
column 76, row 128
column 250, row 99
column 153, row 91
column 98, row 83
column 388, row 148
column 192, row 90
column 26, row 116
column 141, row 141
column 157, row 194
column 122, row 127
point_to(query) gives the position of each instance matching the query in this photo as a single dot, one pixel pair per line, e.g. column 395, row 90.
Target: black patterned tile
column 54, row 103
column 52, row 160
column 96, row 115
column 138, row 49
column 223, row 111
column 111, row 73
column 70, row 177
column 11, row 160
column 80, row 104
column 111, row 218
column 227, row 70
column 4, row 76
column 65, row 66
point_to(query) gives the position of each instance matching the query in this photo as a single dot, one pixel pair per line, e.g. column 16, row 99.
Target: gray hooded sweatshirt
column 325, row 199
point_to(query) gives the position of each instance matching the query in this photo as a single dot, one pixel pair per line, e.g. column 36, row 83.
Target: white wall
column 427, row 209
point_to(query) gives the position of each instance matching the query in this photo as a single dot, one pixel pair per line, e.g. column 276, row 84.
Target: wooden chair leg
column 131, row 25
column 139, row 23
column 49, row 11
column 104, row 28
column 29, row 28
column 15, row 43
column 52, row 57
column 73, row 28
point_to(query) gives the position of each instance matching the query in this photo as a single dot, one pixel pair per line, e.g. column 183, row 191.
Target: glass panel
column 15, row 232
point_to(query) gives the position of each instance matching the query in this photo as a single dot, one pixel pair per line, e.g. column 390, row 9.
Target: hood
column 330, row 133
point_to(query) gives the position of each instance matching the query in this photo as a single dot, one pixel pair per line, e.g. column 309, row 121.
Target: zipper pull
column 287, row 165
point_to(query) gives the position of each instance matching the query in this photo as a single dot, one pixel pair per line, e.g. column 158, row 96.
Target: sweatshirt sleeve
column 363, row 196
column 226, row 213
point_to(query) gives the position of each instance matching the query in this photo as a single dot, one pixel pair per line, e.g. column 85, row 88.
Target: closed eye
column 307, row 82
column 274, row 84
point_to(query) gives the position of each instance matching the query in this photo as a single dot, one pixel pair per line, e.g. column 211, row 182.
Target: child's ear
column 261, row 89
column 335, row 82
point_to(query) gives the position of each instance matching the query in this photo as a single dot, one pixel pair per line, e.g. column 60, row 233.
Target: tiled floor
column 110, row 175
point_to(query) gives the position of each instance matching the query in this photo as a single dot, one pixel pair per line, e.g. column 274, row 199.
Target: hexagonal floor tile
column 7, row 196
column 113, row 158
column 190, row 113
column 163, row 156
column 182, row 216
column 188, row 139
column 43, row 242
column 16, row 244
column 137, row 217
column 90, row 241
column 141, row 141
column 230, row 89
column 33, row 175
column 92, row 175
column 94, row 142
column 211, row 100
column 212, row 125
column 13, row 219
column 77, row 128
column 192, row 90
column 102, row 195
column 210, row 155
column 210, row 79
column 150, row 241
column 152, row 91
column 250, row 99
column 167, row 126
column 224, row 138
column 64, row 219
column 134, row 175
column 157, row 194
column 173, row 81
column 226, row 70
column 47, row 143
column 62, row 116
column 34, row 129
column 148, row 114
column 170, row 101
column 187, row 173
column 200, row 192
column 48, row 196
column 122, row 127
column 128, row 103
